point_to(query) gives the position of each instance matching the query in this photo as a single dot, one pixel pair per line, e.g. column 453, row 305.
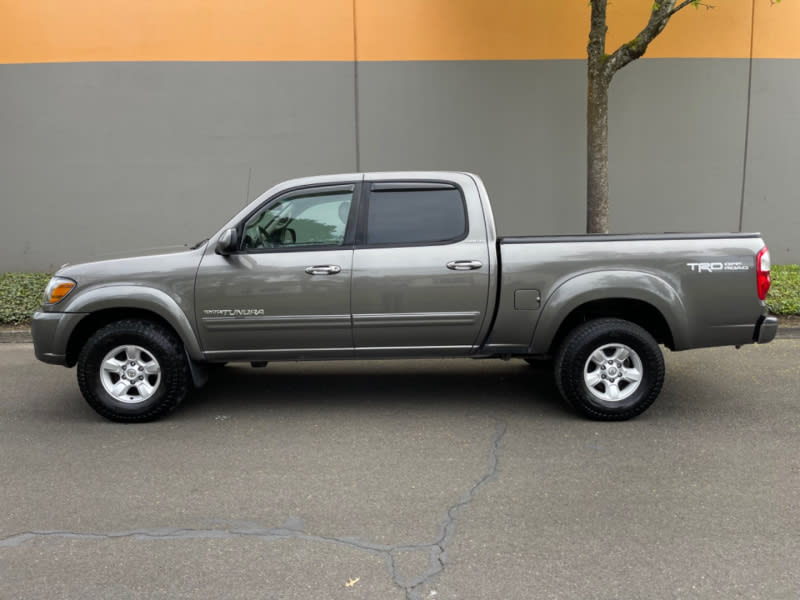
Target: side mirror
column 228, row 242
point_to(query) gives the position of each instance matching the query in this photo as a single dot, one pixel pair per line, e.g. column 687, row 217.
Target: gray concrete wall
column 677, row 145
column 518, row 124
column 771, row 192
column 106, row 157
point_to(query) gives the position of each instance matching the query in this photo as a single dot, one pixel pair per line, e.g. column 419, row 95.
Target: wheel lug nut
column 140, row 377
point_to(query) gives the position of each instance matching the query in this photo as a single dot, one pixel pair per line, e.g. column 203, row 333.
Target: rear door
column 420, row 270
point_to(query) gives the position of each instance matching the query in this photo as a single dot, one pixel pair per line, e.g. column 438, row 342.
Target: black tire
column 159, row 364
column 626, row 384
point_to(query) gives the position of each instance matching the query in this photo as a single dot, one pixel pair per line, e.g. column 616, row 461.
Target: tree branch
column 659, row 17
column 682, row 5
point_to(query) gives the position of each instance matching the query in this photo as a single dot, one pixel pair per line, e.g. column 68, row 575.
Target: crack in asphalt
column 292, row 529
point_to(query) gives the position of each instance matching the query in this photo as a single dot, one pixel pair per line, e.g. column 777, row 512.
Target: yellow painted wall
column 180, row 30
column 536, row 29
column 777, row 31
column 301, row 30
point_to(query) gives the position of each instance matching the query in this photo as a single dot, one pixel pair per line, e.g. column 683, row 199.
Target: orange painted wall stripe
column 180, row 30
column 777, row 31
column 536, row 29
column 304, row 30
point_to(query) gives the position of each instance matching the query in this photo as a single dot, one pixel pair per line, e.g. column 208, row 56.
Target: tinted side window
column 415, row 216
column 313, row 219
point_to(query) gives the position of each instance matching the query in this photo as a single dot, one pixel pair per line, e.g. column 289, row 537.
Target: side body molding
column 143, row 298
column 608, row 285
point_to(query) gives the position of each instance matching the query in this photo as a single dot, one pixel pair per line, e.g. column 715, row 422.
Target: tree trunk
column 597, row 122
column 601, row 68
column 597, row 154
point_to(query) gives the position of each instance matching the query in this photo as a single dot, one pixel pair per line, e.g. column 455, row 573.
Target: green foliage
column 784, row 294
column 20, row 295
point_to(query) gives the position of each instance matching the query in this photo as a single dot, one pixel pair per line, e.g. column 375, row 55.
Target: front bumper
column 51, row 332
column 766, row 330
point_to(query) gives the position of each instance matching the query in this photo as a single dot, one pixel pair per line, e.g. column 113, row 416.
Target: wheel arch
column 634, row 296
column 103, row 306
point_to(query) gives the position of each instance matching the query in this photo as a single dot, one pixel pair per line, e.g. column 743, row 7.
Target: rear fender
column 607, row 285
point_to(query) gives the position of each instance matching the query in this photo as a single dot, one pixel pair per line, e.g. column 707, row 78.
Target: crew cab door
column 285, row 293
column 420, row 270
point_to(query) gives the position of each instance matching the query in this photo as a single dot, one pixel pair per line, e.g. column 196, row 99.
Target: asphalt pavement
column 445, row 479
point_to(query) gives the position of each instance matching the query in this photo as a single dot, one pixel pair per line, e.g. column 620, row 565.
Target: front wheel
column 609, row 369
column 133, row 371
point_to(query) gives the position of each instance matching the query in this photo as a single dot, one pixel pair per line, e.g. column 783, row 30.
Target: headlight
column 57, row 289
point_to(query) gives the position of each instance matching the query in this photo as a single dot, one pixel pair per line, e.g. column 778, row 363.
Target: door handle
column 464, row 265
column 324, row 270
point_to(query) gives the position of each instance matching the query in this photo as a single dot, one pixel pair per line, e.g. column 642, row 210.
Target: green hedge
column 21, row 293
column 784, row 293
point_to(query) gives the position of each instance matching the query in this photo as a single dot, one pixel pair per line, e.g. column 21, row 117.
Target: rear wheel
column 609, row 369
column 133, row 371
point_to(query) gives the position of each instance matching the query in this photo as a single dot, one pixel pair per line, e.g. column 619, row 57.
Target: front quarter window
column 308, row 219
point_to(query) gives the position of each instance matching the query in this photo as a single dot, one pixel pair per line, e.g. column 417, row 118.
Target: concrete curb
column 23, row 335
column 15, row 336
column 788, row 333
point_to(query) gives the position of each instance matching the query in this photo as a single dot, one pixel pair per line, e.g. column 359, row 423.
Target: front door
column 286, row 292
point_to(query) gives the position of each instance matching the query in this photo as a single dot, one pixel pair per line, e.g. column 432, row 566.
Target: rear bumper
column 766, row 329
column 50, row 333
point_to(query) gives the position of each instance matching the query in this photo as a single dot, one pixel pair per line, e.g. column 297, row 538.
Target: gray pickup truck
column 403, row 264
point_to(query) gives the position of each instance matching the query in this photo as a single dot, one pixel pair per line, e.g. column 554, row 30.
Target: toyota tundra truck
column 400, row 265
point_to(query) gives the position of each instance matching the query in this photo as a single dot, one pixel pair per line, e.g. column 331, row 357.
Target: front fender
column 609, row 285
column 120, row 297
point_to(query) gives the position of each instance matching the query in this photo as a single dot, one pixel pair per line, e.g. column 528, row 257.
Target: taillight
column 762, row 273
